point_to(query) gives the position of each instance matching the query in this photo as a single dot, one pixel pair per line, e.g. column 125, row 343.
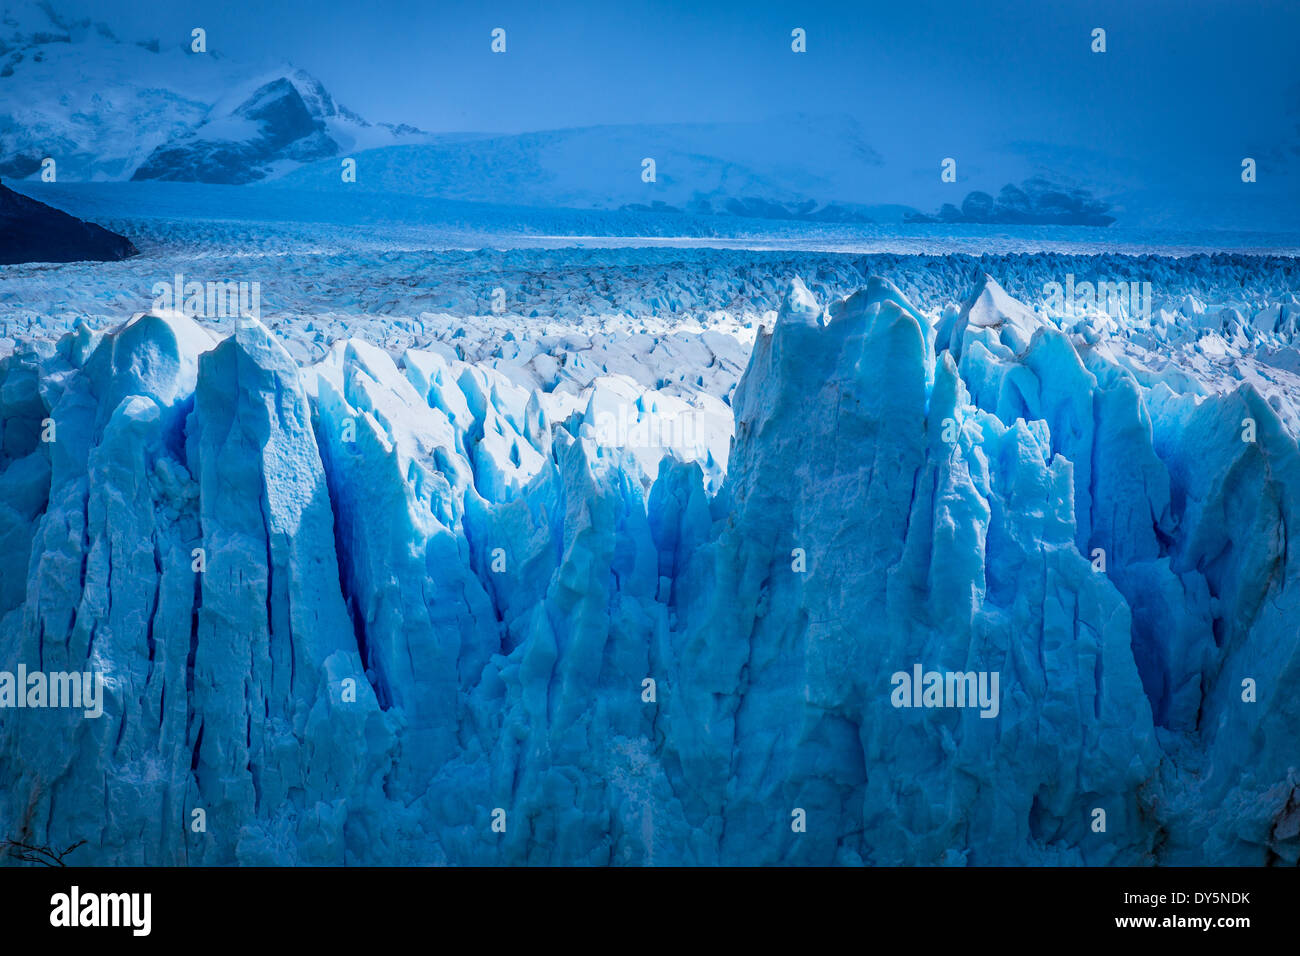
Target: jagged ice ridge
column 496, row 579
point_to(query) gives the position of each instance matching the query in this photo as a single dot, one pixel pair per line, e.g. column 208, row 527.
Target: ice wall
column 382, row 612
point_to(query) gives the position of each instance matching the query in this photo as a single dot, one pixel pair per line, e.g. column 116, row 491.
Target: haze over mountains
column 107, row 107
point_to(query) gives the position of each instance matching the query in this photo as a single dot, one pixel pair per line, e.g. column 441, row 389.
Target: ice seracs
column 403, row 608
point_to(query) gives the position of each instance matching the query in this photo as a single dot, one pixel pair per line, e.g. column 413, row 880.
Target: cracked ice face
column 441, row 558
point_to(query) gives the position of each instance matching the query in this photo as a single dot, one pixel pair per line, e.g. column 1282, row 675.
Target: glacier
column 413, row 606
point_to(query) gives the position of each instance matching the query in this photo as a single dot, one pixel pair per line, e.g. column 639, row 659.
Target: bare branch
column 43, row 855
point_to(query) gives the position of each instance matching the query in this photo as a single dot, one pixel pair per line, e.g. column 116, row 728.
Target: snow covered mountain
column 110, row 109
column 360, row 609
column 243, row 138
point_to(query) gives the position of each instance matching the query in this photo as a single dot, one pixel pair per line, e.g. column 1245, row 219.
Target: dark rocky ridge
column 31, row 231
column 1036, row 201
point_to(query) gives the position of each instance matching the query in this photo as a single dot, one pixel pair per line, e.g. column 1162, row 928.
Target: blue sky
column 1176, row 71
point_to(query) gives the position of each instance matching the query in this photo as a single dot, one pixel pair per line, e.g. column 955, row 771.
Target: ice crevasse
column 378, row 611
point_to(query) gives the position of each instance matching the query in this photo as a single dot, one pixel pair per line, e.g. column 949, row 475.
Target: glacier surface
column 460, row 601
